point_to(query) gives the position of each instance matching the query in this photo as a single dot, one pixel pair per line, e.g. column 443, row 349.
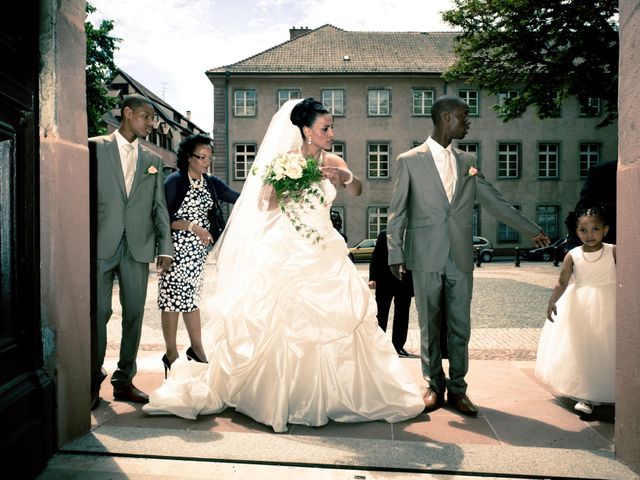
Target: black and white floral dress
column 179, row 289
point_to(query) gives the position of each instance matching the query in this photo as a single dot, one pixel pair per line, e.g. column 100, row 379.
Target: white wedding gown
column 299, row 343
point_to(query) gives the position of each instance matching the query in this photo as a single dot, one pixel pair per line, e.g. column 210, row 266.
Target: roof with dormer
column 329, row 49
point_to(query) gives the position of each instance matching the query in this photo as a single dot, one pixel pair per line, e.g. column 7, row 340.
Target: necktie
column 447, row 177
column 128, row 168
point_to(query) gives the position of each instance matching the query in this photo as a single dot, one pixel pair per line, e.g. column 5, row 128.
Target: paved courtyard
column 507, row 311
column 522, row 430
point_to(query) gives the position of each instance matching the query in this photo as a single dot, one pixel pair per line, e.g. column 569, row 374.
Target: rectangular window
column 378, row 160
column 472, row 97
column 333, row 100
column 506, row 234
column 547, row 218
column 379, row 103
column 244, row 103
column 508, row 160
column 243, row 156
column 422, row 102
column 285, row 95
column 503, row 97
column 589, row 156
column 376, row 220
column 472, row 148
column 338, row 148
column 590, row 108
column 548, row 160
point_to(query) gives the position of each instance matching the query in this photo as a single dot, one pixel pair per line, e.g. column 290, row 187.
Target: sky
column 167, row 45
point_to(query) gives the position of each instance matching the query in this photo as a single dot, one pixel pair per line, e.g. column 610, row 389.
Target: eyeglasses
column 203, row 157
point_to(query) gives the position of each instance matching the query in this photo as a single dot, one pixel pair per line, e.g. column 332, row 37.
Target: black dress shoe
column 95, row 389
column 462, row 403
column 95, row 401
column 129, row 393
column 402, row 352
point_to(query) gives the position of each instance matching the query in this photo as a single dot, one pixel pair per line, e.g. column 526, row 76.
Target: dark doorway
column 26, row 392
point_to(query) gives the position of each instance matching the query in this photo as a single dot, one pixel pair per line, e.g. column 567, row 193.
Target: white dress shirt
column 439, row 157
column 123, row 157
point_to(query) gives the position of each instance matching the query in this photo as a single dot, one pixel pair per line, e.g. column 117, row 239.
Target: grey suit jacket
column 143, row 216
column 423, row 225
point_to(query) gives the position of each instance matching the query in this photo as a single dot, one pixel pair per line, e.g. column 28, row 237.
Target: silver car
column 483, row 248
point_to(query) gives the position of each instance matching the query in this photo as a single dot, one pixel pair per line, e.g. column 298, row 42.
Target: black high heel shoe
column 191, row 355
column 167, row 365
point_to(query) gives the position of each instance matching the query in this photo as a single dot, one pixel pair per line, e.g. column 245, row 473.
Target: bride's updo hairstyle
column 306, row 112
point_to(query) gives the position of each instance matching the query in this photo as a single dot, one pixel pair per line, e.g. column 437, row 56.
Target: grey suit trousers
column 457, row 286
column 133, row 277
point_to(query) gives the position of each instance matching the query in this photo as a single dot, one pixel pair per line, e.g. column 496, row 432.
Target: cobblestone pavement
column 507, row 312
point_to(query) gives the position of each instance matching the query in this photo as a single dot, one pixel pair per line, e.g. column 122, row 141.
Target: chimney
column 189, row 115
column 298, row 32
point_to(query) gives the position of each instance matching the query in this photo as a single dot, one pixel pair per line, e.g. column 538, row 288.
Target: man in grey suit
column 131, row 226
column 430, row 233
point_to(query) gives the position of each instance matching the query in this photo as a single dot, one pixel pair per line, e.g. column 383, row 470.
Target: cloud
column 168, row 45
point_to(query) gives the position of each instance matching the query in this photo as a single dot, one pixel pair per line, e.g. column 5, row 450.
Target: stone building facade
column 380, row 87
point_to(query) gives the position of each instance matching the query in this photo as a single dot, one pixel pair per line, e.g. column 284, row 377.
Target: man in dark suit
column 336, row 220
column 390, row 288
column 130, row 227
column 430, row 233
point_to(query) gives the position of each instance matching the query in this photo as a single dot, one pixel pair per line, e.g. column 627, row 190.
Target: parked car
column 363, row 250
column 484, row 248
column 545, row 254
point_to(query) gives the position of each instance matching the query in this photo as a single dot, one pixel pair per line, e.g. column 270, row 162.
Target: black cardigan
column 176, row 186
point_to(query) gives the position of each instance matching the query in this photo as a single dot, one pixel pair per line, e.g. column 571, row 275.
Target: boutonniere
column 472, row 171
column 152, row 170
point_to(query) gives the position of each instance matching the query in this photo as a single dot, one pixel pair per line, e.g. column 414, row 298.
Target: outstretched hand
column 541, row 240
column 398, row 270
column 335, row 174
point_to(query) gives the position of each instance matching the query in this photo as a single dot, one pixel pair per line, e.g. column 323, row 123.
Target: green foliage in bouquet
column 295, row 180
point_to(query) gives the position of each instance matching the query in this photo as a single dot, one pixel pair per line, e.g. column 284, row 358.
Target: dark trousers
column 401, row 304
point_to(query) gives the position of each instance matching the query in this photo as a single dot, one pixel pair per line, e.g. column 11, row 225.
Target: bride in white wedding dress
column 294, row 336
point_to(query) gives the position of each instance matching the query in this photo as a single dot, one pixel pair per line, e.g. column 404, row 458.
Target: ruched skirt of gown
column 297, row 343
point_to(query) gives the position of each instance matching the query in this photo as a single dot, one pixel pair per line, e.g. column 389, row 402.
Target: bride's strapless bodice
column 315, row 211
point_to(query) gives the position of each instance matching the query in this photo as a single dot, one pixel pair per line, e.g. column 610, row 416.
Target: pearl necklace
column 199, row 183
column 593, row 261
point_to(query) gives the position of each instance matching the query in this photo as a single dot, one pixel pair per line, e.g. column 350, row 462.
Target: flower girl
column 576, row 351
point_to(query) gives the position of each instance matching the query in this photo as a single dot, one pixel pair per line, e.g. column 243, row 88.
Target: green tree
column 547, row 49
column 99, row 71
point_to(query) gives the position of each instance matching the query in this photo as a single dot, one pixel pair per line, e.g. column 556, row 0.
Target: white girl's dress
column 576, row 352
column 300, row 345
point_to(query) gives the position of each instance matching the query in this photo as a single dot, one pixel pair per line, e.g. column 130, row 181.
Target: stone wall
column 64, row 213
column 628, row 220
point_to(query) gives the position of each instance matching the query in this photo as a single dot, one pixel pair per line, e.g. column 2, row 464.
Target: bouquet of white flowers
column 295, row 180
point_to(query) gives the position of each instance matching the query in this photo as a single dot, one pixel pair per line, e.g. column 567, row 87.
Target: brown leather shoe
column 129, row 393
column 432, row 400
column 462, row 403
